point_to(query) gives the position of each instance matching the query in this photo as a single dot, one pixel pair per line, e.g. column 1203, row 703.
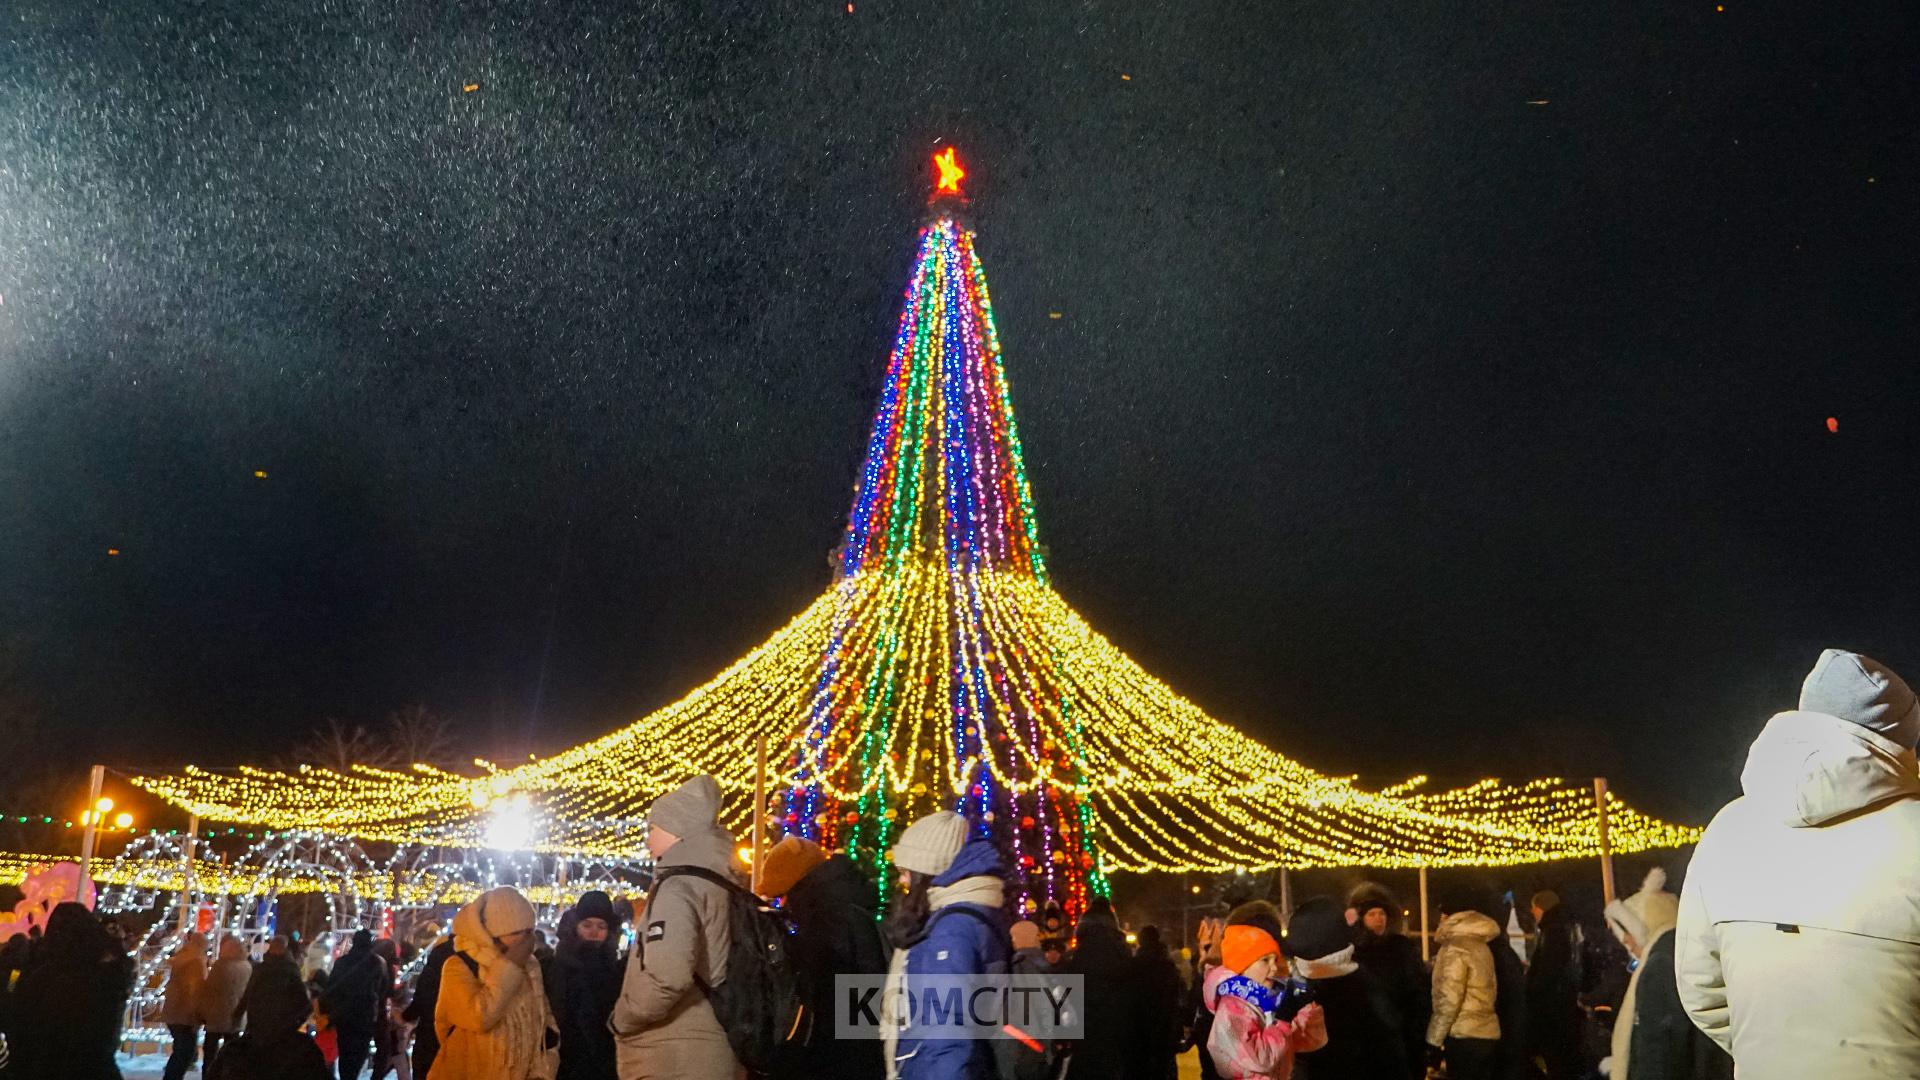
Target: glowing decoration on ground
column 950, row 172
column 941, row 670
column 42, row 887
column 1833, row 424
column 113, row 551
column 259, row 474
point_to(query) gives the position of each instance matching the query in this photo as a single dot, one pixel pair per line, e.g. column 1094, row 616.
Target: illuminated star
column 950, row 172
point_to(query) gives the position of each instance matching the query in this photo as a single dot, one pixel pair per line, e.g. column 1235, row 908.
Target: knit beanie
column 929, row 845
column 1241, row 946
column 786, row 862
column 1862, row 691
column 595, row 904
column 1260, row 913
column 1318, row 929
column 688, row 810
column 504, row 911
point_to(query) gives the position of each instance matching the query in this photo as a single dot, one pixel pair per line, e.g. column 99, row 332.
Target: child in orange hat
column 1247, row 1041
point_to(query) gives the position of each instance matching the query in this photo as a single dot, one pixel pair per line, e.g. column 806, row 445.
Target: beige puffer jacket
column 1463, row 980
column 186, row 972
column 1798, row 947
column 225, row 985
column 663, row 1025
column 493, row 1024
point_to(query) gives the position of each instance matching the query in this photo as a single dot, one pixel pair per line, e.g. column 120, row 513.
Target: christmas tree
column 940, row 670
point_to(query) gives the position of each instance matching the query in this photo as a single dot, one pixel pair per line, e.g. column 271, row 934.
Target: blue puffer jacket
column 958, row 944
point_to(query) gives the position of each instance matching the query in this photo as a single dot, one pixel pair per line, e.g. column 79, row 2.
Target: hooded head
column 1318, row 930
column 1640, row 919
column 786, row 862
column 232, row 948
column 362, row 939
column 1862, row 691
column 688, row 810
column 492, row 915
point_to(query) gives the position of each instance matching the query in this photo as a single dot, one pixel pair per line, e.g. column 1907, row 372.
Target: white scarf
column 984, row 891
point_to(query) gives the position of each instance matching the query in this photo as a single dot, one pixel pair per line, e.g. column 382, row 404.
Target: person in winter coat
column 948, row 923
column 288, row 1055
column 1393, row 960
column 1153, row 983
column 492, row 1017
column 1199, row 1018
column 1248, row 1042
column 63, row 1017
column 1652, row 1037
column 663, row 1025
column 1510, row 1061
column 1464, row 1028
column 220, row 995
column 180, row 1008
column 419, row 1011
column 355, row 991
column 1101, row 957
column 586, row 983
column 275, row 999
column 386, row 1032
column 831, row 903
column 1554, row 1017
column 1799, row 935
column 1363, row 1027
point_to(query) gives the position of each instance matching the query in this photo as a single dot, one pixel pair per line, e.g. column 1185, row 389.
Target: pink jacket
column 1244, row 1045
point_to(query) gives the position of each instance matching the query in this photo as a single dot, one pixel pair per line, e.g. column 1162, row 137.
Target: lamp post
column 96, row 779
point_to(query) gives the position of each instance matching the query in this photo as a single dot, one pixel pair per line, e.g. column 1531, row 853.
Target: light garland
column 942, row 671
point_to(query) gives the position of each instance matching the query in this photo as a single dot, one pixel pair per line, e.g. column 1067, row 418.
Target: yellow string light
column 1175, row 789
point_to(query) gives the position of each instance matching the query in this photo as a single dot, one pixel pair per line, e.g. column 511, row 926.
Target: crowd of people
column 1792, row 951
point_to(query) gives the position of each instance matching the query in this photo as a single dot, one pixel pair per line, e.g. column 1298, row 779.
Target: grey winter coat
column 663, row 1025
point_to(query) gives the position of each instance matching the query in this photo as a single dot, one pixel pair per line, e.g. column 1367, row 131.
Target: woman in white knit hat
column 948, row 922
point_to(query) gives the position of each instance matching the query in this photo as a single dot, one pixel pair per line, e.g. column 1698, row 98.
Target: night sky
column 1434, row 388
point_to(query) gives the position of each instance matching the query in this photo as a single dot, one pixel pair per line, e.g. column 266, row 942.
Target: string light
column 941, row 670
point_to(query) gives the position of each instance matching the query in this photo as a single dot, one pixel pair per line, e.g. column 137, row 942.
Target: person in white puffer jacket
column 1798, row 946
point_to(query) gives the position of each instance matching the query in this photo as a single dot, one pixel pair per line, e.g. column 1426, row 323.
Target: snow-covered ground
column 145, row 1067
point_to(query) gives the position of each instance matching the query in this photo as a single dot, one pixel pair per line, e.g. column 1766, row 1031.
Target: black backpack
column 758, row 1004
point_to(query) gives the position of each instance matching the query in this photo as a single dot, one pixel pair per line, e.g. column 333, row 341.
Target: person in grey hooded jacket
column 664, row 1027
column 1798, row 946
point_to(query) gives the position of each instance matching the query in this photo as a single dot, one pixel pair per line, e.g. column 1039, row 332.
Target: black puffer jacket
column 585, row 984
column 63, row 1017
column 1364, row 1039
column 1393, row 961
column 1100, row 954
column 835, row 933
column 275, row 999
column 354, row 991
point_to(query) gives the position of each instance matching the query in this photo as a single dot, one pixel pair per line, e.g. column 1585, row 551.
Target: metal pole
column 1606, row 843
column 186, row 872
column 759, row 803
column 1426, row 934
column 91, row 817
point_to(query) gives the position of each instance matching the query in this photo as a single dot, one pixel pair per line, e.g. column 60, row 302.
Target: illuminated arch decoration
column 941, row 669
